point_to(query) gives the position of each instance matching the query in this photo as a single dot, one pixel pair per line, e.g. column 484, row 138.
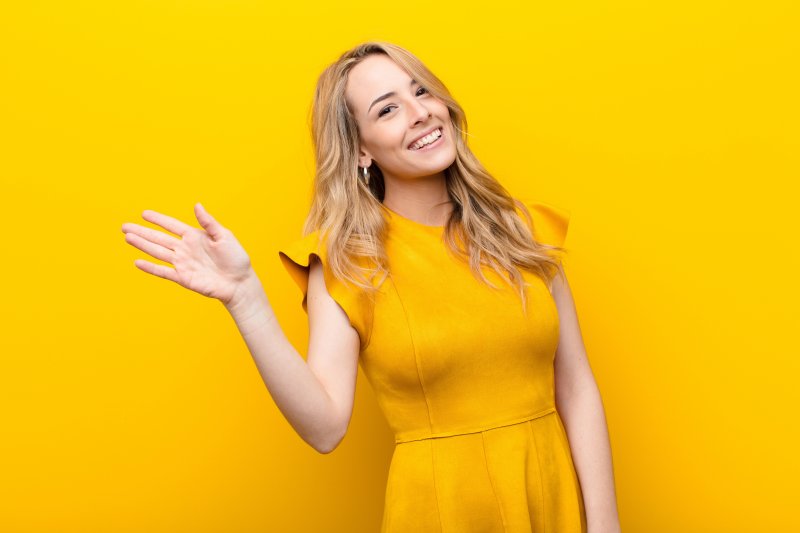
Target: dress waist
column 404, row 437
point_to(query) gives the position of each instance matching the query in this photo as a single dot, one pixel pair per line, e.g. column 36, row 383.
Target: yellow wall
column 668, row 130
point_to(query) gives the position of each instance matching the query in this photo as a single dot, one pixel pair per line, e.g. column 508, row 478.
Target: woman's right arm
column 316, row 396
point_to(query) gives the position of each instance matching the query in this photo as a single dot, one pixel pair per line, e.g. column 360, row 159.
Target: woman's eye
column 388, row 107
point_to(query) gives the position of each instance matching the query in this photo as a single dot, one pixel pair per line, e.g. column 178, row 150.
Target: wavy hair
column 484, row 227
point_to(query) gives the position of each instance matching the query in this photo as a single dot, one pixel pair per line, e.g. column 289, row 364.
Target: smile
column 426, row 142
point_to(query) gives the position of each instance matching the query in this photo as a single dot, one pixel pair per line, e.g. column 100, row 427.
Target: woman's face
column 393, row 112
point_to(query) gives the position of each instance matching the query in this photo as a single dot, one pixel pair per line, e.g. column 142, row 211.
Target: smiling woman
column 418, row 265
column 387, row 141
column 377, row 113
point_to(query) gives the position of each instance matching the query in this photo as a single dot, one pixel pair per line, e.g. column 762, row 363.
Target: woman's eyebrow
column 385, row 96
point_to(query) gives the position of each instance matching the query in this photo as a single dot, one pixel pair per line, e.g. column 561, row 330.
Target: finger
column 157, row 270
column 168, row 223
column 158, row 237
column 156, row 250
column 208, row 222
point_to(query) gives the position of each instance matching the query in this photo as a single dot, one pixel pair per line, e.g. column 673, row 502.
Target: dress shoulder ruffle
column 296, row 256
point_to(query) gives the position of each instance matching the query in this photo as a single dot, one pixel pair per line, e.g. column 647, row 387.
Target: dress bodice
column 445, row 353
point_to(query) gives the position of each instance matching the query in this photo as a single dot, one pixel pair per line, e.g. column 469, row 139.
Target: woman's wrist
column 247, row 298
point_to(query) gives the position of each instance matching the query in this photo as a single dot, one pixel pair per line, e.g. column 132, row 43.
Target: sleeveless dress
column 465, row 380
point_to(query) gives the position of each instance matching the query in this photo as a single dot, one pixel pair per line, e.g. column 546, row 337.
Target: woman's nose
column 419, row 113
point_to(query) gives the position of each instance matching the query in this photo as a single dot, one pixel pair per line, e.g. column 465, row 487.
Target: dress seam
column 446, row 434
column 424, row 395
column 435, row 493
column 491, row 482
column 541, row 481
column 416, row 355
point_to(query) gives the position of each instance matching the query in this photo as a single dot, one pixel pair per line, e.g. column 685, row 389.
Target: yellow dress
column 466, row 382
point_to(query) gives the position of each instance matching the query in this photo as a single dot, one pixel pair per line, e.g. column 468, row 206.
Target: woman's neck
column 424, row 199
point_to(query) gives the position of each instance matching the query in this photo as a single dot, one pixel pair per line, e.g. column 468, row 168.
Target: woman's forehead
column 372, row 77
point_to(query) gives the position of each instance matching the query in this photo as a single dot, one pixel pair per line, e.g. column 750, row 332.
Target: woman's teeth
column 428, row 139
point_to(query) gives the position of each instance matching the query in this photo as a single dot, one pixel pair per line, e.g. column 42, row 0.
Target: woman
column 417, row 264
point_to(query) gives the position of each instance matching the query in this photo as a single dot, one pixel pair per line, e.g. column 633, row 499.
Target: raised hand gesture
column 209, row 261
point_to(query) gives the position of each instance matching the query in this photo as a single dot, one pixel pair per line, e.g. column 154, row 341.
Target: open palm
column 209, row 261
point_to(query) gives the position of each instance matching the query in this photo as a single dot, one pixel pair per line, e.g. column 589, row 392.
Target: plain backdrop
column 667, row 129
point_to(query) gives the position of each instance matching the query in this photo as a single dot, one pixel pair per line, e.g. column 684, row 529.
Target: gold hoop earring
column 365, row 173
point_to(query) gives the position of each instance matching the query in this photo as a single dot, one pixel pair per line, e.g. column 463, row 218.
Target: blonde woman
column 417, row 264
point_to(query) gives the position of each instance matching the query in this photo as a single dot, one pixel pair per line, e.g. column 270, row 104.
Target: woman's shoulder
column 295, row 256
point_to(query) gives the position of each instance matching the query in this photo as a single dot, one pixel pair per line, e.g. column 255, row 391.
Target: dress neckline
column 407, row 221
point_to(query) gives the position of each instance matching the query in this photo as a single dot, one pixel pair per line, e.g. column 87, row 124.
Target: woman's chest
column 432, row 316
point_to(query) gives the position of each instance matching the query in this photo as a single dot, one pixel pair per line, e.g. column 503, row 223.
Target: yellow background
column 668, row 130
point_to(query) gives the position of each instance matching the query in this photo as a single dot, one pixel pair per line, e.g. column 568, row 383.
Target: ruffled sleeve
column 295, row 257
column 550, row 223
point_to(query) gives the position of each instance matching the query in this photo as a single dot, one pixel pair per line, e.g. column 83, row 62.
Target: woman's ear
column 364, row 157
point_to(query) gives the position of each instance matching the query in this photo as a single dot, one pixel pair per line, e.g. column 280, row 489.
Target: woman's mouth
column 428, row 142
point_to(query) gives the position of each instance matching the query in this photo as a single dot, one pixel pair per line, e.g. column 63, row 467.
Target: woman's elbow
column 331, row 440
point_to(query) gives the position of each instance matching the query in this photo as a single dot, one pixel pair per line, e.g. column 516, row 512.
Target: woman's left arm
column 580, row 406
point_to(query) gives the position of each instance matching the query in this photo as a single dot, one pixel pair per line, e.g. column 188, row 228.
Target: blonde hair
column 483, row 229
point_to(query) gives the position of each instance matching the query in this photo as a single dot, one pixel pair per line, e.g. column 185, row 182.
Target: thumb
column 208, row 222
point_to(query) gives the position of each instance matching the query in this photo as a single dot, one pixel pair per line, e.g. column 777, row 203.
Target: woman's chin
column 436, row 163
